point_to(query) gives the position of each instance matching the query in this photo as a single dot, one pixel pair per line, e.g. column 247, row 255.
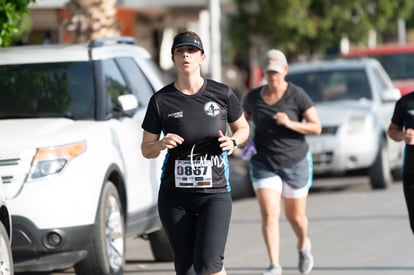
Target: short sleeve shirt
column 403, row 116
column 199, row 164
column 277, row 146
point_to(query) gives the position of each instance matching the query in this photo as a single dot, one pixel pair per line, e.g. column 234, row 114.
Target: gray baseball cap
column 275, row 60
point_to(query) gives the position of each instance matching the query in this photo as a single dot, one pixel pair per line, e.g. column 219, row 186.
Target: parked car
column 6, row 259
column 74, row 176
column 241, row 185
column 397, row 60
column 355, row 101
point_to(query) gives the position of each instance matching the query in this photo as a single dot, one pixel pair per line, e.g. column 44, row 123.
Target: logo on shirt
column 211, row 108
column 410, row 112
column 176, row 115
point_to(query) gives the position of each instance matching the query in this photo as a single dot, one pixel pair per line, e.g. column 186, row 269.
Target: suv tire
column 6, row 263
column 106, row 255
column 380, row 171
column 160, row 246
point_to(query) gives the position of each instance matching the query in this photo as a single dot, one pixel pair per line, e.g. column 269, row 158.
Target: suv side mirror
column 128, row 104
column 391, row 95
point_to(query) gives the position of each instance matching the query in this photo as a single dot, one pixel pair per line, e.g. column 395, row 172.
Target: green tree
column 13, row 19
column 312, row 26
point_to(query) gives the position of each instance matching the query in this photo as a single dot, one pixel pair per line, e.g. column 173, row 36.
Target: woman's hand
column 151, row 145
column 226, row 143
column 170, row 141
column 282, row 118
column 409, row 136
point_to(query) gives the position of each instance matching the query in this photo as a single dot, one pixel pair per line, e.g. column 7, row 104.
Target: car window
column 115, row 84
column 398, row 65
column 141, row 87
column 379, row 80
column 323, row 86
column 47, row 90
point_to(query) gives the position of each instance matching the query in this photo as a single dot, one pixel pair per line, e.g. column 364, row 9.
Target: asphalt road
column 354, row 230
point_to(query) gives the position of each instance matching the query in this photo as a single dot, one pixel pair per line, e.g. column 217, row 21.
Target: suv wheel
column 6, row 262
column 380, row 172
column 160, row 246
column 106, row 254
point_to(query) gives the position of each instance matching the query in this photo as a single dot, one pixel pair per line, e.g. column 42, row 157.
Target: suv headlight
column 356, row 124
column 52, row 160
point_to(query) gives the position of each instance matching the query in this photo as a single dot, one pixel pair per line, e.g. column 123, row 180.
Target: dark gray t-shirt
column 277, row 146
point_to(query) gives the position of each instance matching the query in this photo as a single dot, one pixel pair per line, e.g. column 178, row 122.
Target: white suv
column 75, row 180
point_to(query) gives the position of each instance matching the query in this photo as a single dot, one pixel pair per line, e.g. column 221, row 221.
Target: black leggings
column 197, row 225
column 408, row 185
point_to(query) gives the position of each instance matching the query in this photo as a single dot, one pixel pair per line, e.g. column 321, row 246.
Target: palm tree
column 91, row 19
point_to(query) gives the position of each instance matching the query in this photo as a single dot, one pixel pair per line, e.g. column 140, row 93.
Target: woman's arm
column 151, row 145
column 240, row 133
column 395, row 132
column 311, row 126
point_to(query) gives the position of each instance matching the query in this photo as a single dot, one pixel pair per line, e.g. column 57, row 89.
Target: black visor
column 186, row 40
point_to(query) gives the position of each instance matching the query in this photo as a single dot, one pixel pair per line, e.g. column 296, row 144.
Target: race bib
column 193, row 174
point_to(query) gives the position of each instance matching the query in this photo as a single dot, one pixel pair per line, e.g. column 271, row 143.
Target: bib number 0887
column 193, row 174
column 191, row 171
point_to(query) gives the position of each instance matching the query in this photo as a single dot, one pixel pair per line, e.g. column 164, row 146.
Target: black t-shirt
column 199, row 164
column 403, row 116
column 276, row 145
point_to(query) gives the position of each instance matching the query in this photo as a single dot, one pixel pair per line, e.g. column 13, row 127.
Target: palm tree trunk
column 91, row 19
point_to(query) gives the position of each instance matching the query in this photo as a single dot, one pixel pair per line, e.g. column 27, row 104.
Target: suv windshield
column 398, row 66
column 323, row 86
column 47, row 90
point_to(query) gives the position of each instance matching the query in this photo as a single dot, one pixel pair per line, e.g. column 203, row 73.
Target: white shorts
column 278, row 185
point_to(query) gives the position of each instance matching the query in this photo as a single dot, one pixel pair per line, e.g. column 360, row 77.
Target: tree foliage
column 314, row 26
column 12, row 19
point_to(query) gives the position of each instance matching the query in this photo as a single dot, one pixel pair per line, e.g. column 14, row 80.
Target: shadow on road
column 330, row 184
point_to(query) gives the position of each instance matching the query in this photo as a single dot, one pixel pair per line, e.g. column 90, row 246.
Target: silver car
column 355, row 101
